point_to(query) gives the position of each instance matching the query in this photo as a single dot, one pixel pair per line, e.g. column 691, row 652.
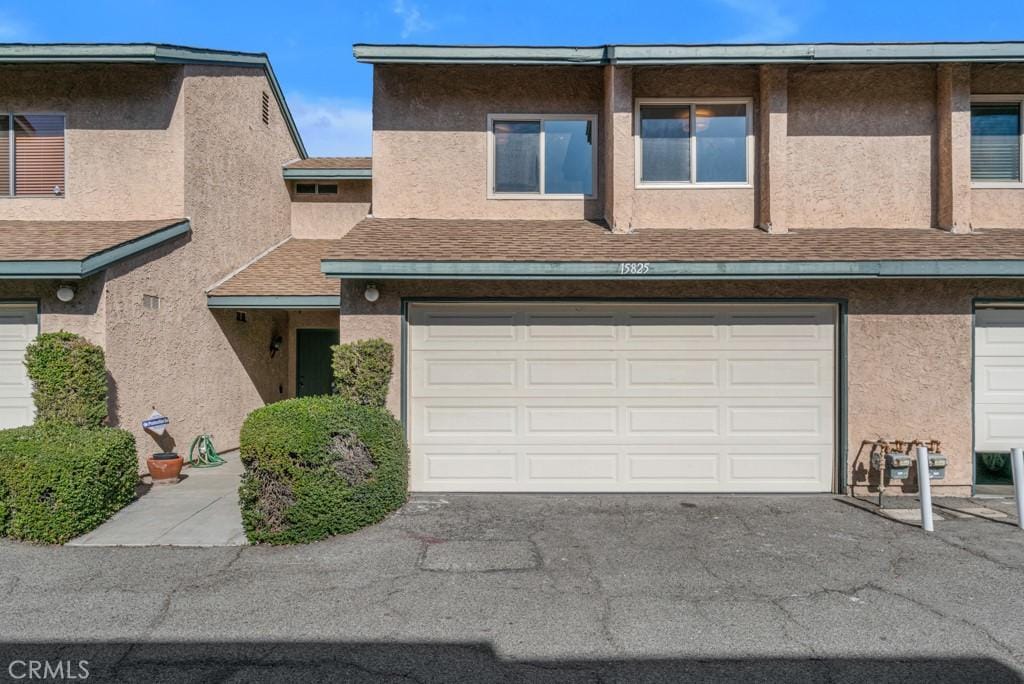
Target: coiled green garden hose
column 202, row 454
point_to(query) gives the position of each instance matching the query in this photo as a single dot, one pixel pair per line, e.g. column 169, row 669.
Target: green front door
column 313, row 361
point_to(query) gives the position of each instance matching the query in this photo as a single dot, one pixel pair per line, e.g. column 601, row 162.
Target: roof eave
column 76, row 269
column 327, row 174
column 627, row 55
column 711, row 270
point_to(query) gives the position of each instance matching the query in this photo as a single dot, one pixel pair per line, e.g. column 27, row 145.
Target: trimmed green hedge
column 69, row 379
column 58, row 481
column 362, row 371
column 318, row 466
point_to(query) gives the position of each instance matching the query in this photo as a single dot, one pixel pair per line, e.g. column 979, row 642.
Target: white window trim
column 1011, row 185
column 692, row 103
column 541, row 195
column 12, row 153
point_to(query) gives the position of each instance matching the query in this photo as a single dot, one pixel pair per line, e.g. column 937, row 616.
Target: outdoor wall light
column 371, row 293
column 275, row 344
column 65, row 293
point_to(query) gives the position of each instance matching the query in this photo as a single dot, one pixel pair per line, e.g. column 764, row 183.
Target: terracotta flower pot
column 164, row 468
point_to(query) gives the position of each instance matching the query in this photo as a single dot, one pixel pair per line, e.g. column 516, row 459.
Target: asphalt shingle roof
column 376, row 239
column 71, row 240
column 292, row 269
column 331, row 163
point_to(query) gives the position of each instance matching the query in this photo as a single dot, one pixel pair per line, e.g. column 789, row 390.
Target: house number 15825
column 634, row 268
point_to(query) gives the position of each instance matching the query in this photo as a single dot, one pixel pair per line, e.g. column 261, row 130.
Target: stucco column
column 617, row 156
column 772, row 121
column 953, row 117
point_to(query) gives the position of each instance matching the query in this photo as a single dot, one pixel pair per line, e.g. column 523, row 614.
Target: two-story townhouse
column 132, row 179
column 693, row 268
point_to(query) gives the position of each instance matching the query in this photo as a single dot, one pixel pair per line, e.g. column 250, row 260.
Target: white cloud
column 412, row 18
column 766, row 20
column 333, row 126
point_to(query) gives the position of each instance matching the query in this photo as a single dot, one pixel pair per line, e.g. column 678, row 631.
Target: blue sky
column 310, row 42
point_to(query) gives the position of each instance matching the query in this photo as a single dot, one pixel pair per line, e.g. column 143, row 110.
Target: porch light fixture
column 65, row 293
column 371, row 292
column 275, row 345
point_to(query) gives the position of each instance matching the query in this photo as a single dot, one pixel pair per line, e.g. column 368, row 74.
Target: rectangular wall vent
column 266, row 108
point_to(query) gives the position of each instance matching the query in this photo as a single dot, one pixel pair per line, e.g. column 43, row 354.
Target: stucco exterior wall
column 694, row 207
column 430, row 137
column 124, row 139
column 204, row 369
column 330, row 216
column 909, row 347
column 861, row 147
column 84, row 315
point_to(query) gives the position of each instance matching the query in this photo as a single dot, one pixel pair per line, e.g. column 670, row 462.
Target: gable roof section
column 287, row 276
column 313, row 168
column 488, row 249
column 77, row 249
column 158, row 53
column 627, row 55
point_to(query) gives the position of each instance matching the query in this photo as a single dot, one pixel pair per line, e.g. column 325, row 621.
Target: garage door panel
column 807, row 422
column 673, row 421
column 616, row 397
column 18, row 327
column 999, row 379
column 793, row 468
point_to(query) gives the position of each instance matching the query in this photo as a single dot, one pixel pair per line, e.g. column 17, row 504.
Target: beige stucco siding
column 430, row 136
column 330, row 216
column 324, row 318
column 909, row 346
column 204, row 369
column 124, row 139
column 84, row 315
column 860, row 147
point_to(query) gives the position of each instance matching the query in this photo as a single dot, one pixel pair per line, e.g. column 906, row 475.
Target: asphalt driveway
column 543, row 588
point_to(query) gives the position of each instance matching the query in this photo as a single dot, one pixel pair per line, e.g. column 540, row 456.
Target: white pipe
column 1017, row 459
column 924, row 485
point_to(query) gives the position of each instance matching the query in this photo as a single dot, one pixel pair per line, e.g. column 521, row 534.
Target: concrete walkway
column 200, row 510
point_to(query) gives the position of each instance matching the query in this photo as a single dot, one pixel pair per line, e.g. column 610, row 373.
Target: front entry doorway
column 313, row 361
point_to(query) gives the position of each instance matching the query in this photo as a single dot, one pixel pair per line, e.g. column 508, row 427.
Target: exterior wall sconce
column 275, row 344
column 371, row 292
column 65, row 293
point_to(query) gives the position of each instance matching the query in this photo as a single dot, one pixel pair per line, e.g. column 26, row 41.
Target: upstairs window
column 541, row 156
column 681, row 143
column 31, row 155
column 996, row 141
column 316, row 188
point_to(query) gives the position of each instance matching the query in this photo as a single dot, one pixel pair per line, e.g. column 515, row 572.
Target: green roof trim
column 793, row 53
column 273, row 302
column 135, row 53
column 74, row 269
column 329, row 174
column 677, row 270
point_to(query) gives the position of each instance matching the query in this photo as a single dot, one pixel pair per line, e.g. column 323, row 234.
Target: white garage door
column 999, row 379
column 18, row 327
column 621, row 397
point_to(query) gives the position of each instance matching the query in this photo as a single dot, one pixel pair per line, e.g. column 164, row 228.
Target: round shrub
column 69, row 379
column 318, row 466
column 58, row 481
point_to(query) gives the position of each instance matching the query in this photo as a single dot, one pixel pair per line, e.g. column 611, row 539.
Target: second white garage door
column 998, row 379
column 18, row 327
column 615, row 397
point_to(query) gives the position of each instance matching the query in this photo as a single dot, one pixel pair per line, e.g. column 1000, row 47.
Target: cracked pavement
column 544, row 587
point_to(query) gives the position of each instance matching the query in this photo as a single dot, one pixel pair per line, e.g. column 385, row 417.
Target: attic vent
column 150, row 301
column 266, row 108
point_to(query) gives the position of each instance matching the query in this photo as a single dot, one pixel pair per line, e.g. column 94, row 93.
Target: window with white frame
column 541, row 156
column 31, row 155
column 687, row 143
column 997, row 139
